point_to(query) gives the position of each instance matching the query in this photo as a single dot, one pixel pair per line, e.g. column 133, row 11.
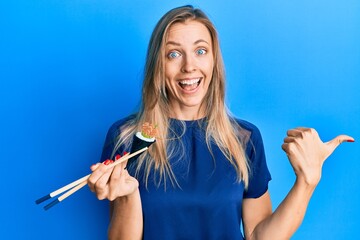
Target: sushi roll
column 142, row 139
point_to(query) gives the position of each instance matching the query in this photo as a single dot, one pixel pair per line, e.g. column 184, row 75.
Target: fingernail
column 108, row 161
column 117, row 157
column 124, row 153
column 93, row 165
column 350, row 140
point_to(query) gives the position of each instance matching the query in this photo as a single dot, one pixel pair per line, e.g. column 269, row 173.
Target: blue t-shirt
column 208, row 203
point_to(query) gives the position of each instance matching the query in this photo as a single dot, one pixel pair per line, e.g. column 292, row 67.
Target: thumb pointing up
column 334, row 143
column 307, row 152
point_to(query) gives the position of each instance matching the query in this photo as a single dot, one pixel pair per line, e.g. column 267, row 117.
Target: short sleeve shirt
column 207, row 203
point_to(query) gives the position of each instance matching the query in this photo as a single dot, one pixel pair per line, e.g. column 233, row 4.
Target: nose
column 189, row 64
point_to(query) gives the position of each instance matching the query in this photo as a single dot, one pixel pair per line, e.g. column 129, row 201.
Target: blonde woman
column 207, row 172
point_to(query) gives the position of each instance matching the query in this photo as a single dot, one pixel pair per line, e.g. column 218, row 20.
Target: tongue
column 188, row 87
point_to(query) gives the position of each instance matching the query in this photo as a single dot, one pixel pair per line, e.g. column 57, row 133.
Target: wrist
column 306, row 183
column 129, row 197
column 309, row 178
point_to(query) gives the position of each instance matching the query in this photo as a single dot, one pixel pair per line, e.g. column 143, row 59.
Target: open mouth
column 190, row 84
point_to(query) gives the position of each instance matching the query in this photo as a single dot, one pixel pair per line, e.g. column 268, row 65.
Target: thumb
column 124, row 164
column 334, row 143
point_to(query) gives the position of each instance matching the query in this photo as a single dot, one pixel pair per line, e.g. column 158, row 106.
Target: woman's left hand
column 307, row 153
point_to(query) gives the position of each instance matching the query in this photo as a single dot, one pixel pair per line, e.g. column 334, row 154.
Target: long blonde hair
column 221, row 129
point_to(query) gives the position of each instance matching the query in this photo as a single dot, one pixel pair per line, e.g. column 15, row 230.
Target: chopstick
column 65, row 195
column 61, row 190
column 78, row 184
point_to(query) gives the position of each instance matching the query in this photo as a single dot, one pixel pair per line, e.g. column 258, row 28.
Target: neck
column 186, row 113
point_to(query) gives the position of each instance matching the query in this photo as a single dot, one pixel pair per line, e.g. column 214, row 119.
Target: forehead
column 189, row 31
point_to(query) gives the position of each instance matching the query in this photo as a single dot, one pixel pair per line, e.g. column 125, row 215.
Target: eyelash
column 201, row 51
column 172, row 53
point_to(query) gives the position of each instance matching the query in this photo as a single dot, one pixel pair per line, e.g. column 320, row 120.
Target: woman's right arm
column 116, row 185
column 126, row 220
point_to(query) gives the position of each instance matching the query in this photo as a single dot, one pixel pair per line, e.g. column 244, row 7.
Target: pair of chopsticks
column 78, row 184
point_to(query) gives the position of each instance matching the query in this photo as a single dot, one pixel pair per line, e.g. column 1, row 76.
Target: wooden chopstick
column 81, row 182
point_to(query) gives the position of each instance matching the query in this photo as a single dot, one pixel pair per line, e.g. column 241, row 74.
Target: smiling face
column 189, row 64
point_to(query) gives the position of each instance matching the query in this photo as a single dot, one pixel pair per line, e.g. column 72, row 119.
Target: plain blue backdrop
column 70, row 68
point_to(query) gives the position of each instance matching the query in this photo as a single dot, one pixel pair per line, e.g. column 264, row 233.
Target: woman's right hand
column 111, row 182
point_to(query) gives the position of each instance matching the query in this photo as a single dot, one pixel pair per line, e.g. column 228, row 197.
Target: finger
column 121, row 183
column 117, row 171
column 296, row 132
column 302, row 128
column 289, row 139
column 301, row 132
column 94, row 166
column 101, row 186
column 115, row 182
column 290, row 149
column 118, row 181
column 334, row 143
column 97, row 173
column 123, row 164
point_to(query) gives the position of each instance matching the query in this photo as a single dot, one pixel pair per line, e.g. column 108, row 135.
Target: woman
column 207, row 171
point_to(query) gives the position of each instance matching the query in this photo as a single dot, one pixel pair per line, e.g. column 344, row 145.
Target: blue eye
column 173, row 54
column 201, row 51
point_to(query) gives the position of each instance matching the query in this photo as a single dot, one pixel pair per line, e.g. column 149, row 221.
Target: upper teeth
column 190, row 82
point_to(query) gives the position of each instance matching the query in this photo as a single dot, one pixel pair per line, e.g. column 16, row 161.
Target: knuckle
column 297, row 140
column 100, row 197
column 91, row 187
column 101, row 169
column 115, row 178
column 312, row 131
column 309, row 131
column 112, row 197
column 102, row 194
column 126, row 173
column 291, row 148
column 303, row 134
column 91, row 182
column 100, row 185
column 136, row 183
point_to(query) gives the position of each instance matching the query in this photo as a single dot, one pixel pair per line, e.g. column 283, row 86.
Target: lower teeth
column 189, row 87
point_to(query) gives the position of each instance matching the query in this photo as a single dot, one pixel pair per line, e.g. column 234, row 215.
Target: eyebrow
column 178, row 44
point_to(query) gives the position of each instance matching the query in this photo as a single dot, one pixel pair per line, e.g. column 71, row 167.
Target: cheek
column 167, row 84
column 167, row 69
column 171, row 69
column 169, row 81
column 208, row 66
column 209, row 71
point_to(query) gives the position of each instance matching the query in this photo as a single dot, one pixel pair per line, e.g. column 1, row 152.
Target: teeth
column 190, row 82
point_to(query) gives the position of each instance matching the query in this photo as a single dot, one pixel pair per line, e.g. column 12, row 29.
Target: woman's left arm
column 306, row 153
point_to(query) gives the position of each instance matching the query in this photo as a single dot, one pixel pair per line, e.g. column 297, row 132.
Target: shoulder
column 248, row 129
column 121, row 122
column 115, row 128
column 246, row 125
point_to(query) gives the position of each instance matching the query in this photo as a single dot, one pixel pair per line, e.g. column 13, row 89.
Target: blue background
column 68, row 69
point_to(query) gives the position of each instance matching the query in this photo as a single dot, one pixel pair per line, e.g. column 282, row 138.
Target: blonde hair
column 221, row 129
